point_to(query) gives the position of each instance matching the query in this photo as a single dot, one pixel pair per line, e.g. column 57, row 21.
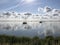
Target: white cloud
column 47, row 9
column 56, row 11
column 40, row 9
column 50, row 11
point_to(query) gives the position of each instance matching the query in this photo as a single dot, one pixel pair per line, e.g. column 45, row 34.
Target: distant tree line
column 12, row 40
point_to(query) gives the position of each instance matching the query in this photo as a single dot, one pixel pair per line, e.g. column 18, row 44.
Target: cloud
column 50, row 11
column 40, row 9
column 56, row 11
column 47, row 9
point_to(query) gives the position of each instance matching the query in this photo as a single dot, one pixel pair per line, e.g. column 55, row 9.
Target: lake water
column 30, row 29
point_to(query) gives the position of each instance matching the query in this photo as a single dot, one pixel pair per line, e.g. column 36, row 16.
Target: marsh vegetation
column 12, row 40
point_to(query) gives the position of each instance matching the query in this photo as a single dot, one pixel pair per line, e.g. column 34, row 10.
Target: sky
column 28, row 5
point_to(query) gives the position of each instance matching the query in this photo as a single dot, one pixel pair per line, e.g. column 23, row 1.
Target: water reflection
column 30, row 28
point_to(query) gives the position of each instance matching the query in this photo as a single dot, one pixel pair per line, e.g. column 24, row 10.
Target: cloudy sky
column 27, row 5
